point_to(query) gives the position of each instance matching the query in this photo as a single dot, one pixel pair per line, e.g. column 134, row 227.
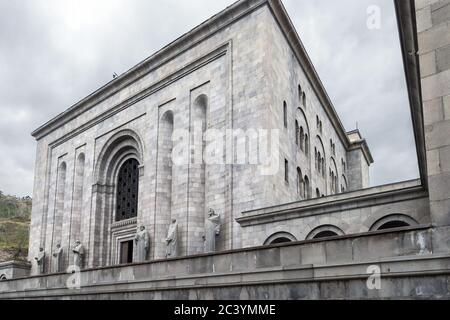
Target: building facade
column 104, row 167
column 308, row 229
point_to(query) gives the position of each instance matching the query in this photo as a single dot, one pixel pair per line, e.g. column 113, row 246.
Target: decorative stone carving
column 172, row 240
column 142, row 242
column 212, row 231
column 40, row 260
column 57, row 259
column 78, row 254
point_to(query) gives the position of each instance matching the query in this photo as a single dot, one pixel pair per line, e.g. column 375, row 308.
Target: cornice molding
column 335, row 203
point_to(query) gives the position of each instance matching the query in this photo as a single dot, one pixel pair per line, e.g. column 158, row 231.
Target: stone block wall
column 433, row 26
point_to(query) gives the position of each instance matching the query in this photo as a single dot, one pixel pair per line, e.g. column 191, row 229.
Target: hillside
column 15, row 216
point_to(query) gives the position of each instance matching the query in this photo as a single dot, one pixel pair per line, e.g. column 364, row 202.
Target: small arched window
column 302, row 139
column 306, row 144
column 315, row 158
column 286, row 170
column 325, row 231
column 297, row 133
column 394, row 221
column 285, row 116
column 300, row 93
column 325, row 234
column 279, row 237
column 319, row 162
column 306, row 189
column 300, row 183
column 393, row 225
column 3, row 277
column 317, row 193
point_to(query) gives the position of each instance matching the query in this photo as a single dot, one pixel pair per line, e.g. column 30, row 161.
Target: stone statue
column 142, row 244
column 57, row 259
column 212, row 230
column 78, row 254
column 40, row 260
column 172, row 240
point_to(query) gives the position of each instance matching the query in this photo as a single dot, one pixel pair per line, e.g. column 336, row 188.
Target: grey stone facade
column 238, row 77
column 242, row 69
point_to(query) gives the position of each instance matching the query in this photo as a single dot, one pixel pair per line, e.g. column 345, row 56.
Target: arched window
column 319, row 159
column 3, row 277
column 325, row 234
column 394, row 221
column 286, row 171
column 306, row 189
column 60, row 203
column 323, row 167
column 325, row 231
column 285, row 117
column 315, row 158
column 300, row 183
column 306, row 145
column 127, row 190
column 302, row 139
column 317, row 193
column 77, row 204
column 393, row 225
column 300, row 93
column 297, row 133
column 280, row 237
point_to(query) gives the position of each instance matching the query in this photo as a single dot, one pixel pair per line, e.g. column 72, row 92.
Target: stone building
column 104, row 166
column 297, row 223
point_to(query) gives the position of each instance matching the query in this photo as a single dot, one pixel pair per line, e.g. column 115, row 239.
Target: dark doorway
column 126, row 252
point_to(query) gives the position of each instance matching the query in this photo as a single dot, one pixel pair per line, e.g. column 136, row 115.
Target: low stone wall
column 335, row 268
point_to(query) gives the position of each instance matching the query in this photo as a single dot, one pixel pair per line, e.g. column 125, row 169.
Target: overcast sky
column 55, row 52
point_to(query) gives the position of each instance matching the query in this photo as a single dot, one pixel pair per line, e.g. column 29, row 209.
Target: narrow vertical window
column 307, row 193
column 297, row 132
column 300, row 184
column 300, row 93
column 302, row 139
column 285, row 117
column 306, row 145
column 286, row 171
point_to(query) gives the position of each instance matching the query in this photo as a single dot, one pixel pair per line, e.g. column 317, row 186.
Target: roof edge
column 204, row 30
column 181, row 44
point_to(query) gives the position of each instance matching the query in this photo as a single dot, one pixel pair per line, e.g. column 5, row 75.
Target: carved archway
column 119, row 162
